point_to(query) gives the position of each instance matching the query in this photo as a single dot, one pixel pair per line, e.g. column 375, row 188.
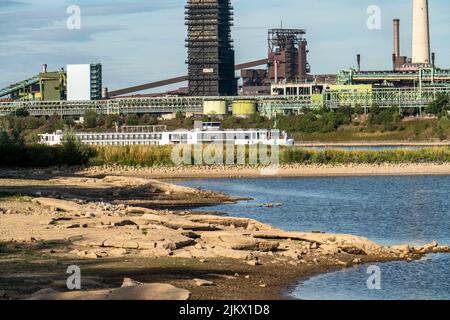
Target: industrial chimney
column 397, row 37
column 421, row 33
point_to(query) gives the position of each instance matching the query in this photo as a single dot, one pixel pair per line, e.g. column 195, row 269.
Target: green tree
column 440, row 106
column 148, row 120
column 90, row 119
column 73, row 152
column 180, row 116
column 132, row 120
column 256, row 118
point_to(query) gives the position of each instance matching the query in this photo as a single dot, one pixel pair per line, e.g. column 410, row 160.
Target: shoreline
column 424, row 144
column 283, row 171
column 119, row 238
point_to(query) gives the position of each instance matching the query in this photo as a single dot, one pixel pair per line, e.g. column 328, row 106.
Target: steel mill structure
column 210, row 48
column 287, row 55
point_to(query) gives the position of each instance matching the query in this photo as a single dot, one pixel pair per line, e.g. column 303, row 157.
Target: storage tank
column 244, row 107
column 215, row 107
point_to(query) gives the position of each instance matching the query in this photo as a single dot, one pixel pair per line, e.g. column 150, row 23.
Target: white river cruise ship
column 159, row 136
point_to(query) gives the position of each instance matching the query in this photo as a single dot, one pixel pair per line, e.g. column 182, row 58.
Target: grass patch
column 331, row 156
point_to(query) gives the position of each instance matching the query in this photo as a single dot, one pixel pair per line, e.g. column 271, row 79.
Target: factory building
column 210, row 61
column 78, row 83
column 46, row 86
column 287, row 62
column 288, row 55
column 84, row 82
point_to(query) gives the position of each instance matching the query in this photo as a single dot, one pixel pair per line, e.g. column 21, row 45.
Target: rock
column 118, row 252
column 294, row 254
column 341, row 263
column 82, row 253
column 356, row 261
column 203, row 283
column 9, row 211
column 442, row 249
column 347, row 243
column 55, row 220
column 127, row 282
column 125, row 223
column 429, row 247
column 191, row 235
column 262, row 246
column 101, row 254
column 329, row 249
column 252, row 227
column 73, row 226
column 2, row 294
column 404, row 249
column 64, row 205
column 91, row 255
column 239, row 242
column 176, row 222
column 136, row 210
column 221, row 221
column 154, row 291
column 263, row 285
column 75, row 238
column 157, row 252
column 254, row 263
column 120, row 243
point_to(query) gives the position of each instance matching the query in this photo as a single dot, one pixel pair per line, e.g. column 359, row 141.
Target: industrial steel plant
column 283, row 83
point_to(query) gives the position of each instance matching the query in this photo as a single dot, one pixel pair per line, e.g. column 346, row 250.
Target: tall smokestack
column 421, row 32
column 397, row 37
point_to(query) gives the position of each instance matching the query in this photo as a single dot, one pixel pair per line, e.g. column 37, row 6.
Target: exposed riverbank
column 293, row 170
column 60, row 222
column 418, row 144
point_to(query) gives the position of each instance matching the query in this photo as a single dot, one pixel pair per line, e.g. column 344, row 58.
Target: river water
column 388, row 210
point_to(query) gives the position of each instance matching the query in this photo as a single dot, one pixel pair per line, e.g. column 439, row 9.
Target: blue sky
column 143, row 41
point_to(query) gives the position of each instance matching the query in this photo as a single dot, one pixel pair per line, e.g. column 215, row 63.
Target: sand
column 296, row 170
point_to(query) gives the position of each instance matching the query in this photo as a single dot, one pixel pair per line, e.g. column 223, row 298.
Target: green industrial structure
column 51, row 86
column 332, row 98
column 46, row 86
column 417, row 77
column 45, row 95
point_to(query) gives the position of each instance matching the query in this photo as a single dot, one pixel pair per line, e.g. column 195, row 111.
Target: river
column 387, row 210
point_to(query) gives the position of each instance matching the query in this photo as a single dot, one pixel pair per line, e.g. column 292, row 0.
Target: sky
column 141, row 41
